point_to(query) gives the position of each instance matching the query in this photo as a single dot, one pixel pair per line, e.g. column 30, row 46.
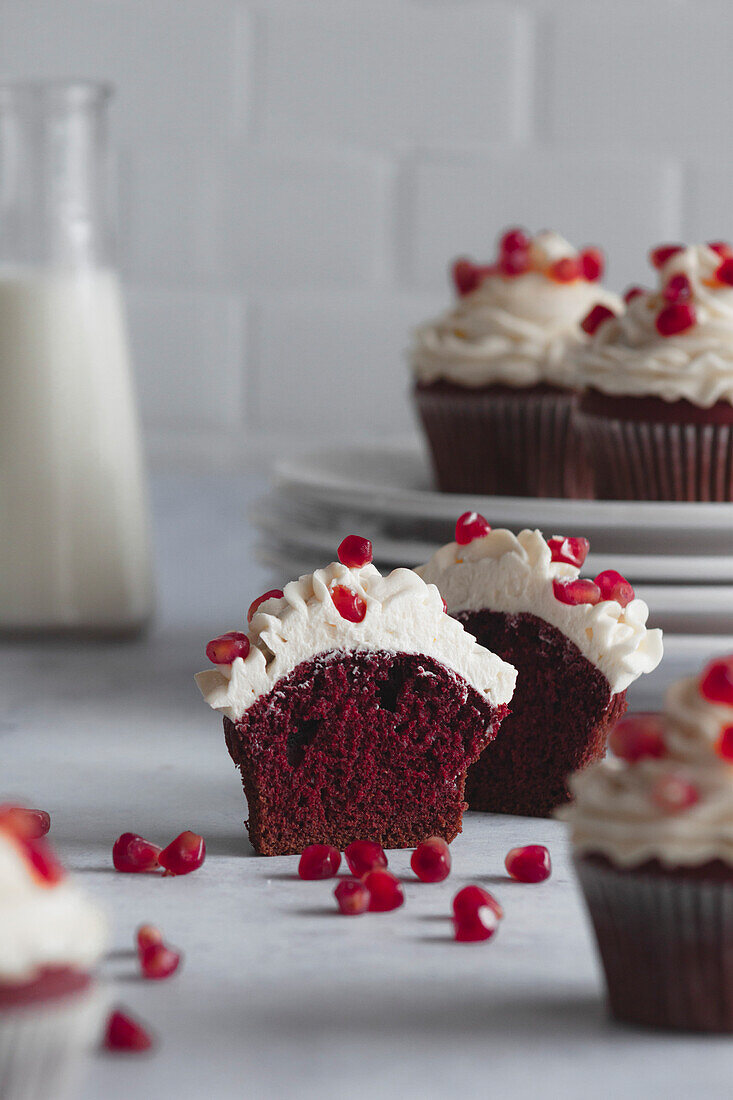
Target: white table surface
column 279, row 996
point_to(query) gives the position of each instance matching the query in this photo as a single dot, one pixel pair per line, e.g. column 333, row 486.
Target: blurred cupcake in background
column 493, row 383
column 657, row 414
column 51, row 938
column 652, row 832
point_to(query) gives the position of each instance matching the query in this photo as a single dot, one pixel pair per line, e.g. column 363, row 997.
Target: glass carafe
column 74, row 549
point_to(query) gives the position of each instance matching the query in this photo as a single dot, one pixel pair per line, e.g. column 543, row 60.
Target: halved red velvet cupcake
column 577, row 644
column 353, row 707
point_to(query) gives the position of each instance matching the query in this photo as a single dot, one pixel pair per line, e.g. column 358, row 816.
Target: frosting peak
column 403, row 614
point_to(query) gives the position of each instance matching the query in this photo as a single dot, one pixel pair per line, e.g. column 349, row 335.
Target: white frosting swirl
column 628, row 357
column 515, row 573
column 513, row 330
column 403, row 614
column 42, row 924
column 615, row 815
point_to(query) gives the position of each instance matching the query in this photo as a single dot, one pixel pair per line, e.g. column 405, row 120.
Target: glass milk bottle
column 74, row 552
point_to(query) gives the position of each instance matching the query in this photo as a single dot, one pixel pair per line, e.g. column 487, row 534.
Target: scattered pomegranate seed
column 319, row 861
column 476, row 925
column 470, row 526
column 614, row 587
column 273, row 594
column 566, row 270
column 677, row 289
column 431, row 860
column 529, row 864
column 577, row 591
column 571, row 551
column 674, row 793
column 349, row 604
column 636, row 736
column 365, row 855
column 25, row 822
column 724, row 273
column 722, row 248
column 146, row 936
column 514, row 240
column 633, row 292
column 514, row 263
column 471, row 898
column 465, row 276
column 227, row 647
column 725, row 743
column 674, row 319
column 593, row 320
column 664, row 252
column 125, row 1033
column 355, row 551
column 134, row 854
column 592, row 263
column 352, row 897
column 158, row 961
column 385, row 891
column 716, row 682
column 184, row 854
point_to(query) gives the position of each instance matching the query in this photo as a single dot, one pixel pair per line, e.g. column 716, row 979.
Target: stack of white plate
column 679, row 557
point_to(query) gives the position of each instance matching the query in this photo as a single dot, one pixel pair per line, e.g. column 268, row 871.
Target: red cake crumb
column 561, row 714
column 359, row 744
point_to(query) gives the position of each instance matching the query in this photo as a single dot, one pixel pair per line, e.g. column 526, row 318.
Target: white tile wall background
column 295, row 176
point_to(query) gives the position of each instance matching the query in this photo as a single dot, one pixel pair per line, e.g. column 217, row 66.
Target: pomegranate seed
column 722, row 248
column 514, row 240
column 319, row 861
column 349, row 605
column 677, row 289
column 465, row 276
column 364, row 855
column 184, row 854
column 475, row 926
column 724, row 273
column 125, row 1033
column 158, row 961
column 566, row 270
column 664, row 252
column 514, row 263
column 529, row 864
column 614, row 587
column 355, row 551
column 431, row 860
column 674, row 793
column 24, row 822
column 146, row 936
column 273, row 594
column 636, row 736
column 633, row 292
column 725, row 743
column 716, row 682
column 41, row 859
column 227, row 647
column 578, row 591
column 593, row 320
column 352, row 897
column 133, row 854
column 470, row 526
column 592, row 263
column 445, row 605
column 385, row 892
column 571, row 551
column 675, row 318
column 471, row 898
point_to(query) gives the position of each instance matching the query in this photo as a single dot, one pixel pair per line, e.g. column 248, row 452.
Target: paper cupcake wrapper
column 504, row 444
column 666, row 944
column 652, row 460
column 43, row 1048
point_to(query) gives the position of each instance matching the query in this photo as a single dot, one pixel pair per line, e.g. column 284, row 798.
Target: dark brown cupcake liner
column 637, row 459
column 665, row 939
column 504, row 441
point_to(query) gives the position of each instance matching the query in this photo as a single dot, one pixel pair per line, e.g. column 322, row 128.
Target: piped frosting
column 403, row 614
column 516, row 573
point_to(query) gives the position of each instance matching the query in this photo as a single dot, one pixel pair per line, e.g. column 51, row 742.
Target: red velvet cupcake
column 493, row 384
column 353, row 707
column 657, row 414
column 577, row 644
column 651, row 831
